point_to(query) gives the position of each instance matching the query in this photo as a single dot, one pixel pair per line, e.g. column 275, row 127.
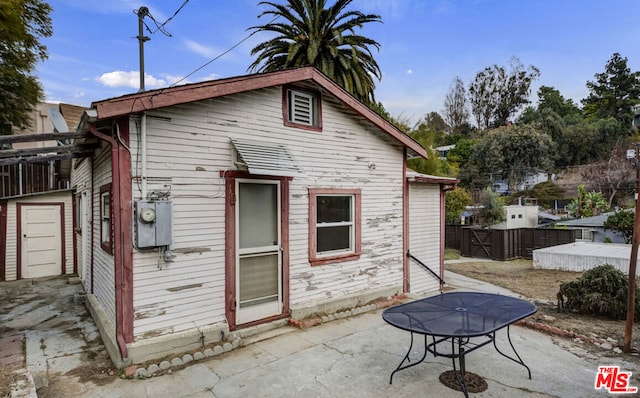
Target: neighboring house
column 216, row 206
column 501, row 186
column 591, row 229
column 444, row 150
column 519, row 216
column 36, row 208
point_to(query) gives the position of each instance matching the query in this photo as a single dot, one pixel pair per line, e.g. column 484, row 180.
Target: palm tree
column 323, row 37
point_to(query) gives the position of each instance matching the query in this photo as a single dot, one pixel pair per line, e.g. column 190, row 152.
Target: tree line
column 511, row 137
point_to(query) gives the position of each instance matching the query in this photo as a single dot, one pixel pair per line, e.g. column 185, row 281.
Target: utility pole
column 633, row 261
column 142, row 12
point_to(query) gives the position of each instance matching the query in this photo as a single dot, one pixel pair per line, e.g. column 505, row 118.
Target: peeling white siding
column 188, row 146
column 339, row 157
column 12, row 229
column 103, row 264
column 424, row 236
column 81, row 182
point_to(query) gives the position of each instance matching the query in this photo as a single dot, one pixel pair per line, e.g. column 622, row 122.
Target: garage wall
column 11, row 256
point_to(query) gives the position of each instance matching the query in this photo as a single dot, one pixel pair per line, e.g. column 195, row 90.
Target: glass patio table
column 458, row 323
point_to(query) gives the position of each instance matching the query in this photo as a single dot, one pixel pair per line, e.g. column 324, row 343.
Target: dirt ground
column 542, row 287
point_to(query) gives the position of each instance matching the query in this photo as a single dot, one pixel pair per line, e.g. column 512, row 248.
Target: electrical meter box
column 153, row 223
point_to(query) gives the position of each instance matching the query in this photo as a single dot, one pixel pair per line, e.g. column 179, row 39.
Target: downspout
column 443, row 191
column 117, row 255
column 405, row 224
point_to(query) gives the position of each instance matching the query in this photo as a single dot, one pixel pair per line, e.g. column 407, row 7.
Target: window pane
column 105, row 206
column 333, row 238
column 258, row 215
column 333, row 209
column 258, row 280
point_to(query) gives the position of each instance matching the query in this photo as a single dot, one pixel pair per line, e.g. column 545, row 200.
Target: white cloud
column 201, row 49
column 409, row 72
column 212, row 76
column 130, row 79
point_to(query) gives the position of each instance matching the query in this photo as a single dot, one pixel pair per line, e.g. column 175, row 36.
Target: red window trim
column 313, row 255
column 285, row 108
column 107, row 246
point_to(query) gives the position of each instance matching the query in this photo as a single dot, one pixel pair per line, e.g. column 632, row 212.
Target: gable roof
column 154, row 99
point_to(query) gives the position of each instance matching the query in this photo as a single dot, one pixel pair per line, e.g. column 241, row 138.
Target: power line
column 220, row 55
column 161, row 26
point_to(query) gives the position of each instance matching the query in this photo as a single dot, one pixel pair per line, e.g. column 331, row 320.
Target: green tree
column 513, row 152
column 427, row 137
column 546, row 193
column 554, row 114
column 492, row 210
column 309, row 32
column 551, row 99
column 588, row 204
column 23, row 23
column 622, row 221
column 496, row 93
column 577, row 144
column 613, row 93
column 461, row 153
column 456, row 202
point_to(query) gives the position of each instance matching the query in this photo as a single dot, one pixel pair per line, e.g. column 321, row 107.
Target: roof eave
column 154, row 99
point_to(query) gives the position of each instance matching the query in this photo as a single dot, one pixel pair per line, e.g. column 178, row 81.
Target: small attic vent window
column 302, row 109
column 264, row 158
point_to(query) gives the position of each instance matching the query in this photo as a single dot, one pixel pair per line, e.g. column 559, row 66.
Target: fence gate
column 479, row 243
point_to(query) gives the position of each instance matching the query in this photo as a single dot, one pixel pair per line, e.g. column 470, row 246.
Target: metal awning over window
column 265, row 158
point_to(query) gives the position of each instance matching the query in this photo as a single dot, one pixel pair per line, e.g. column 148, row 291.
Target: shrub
column 599, row 291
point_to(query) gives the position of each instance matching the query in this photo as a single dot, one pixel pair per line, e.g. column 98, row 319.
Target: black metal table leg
column 519, row 360
column 407, row 359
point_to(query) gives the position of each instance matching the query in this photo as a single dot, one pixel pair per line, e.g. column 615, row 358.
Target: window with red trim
column 106, row 219
column 334, row 225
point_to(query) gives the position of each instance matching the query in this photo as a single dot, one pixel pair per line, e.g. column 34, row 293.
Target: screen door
column 258, row 257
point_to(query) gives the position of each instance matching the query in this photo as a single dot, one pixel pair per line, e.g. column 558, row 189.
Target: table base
column 474, row 383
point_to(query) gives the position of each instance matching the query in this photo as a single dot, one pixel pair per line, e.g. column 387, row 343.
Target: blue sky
column 93, row 53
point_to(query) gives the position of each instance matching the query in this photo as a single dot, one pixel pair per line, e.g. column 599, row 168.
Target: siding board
column 189, row 144
column 424, row 236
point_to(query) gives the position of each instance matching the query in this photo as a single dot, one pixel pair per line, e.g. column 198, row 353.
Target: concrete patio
column 349, row 357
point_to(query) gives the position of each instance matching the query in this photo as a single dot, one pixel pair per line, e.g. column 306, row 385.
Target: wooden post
column 631, row 294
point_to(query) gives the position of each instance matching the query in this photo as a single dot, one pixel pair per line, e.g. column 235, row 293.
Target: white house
column 501, row 186
column 217, row 206
column 519, row 216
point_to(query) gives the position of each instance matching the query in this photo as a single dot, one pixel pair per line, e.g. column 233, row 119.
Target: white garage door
column 41, row 251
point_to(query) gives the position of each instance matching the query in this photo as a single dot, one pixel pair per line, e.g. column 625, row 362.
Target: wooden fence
column 503, row 244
